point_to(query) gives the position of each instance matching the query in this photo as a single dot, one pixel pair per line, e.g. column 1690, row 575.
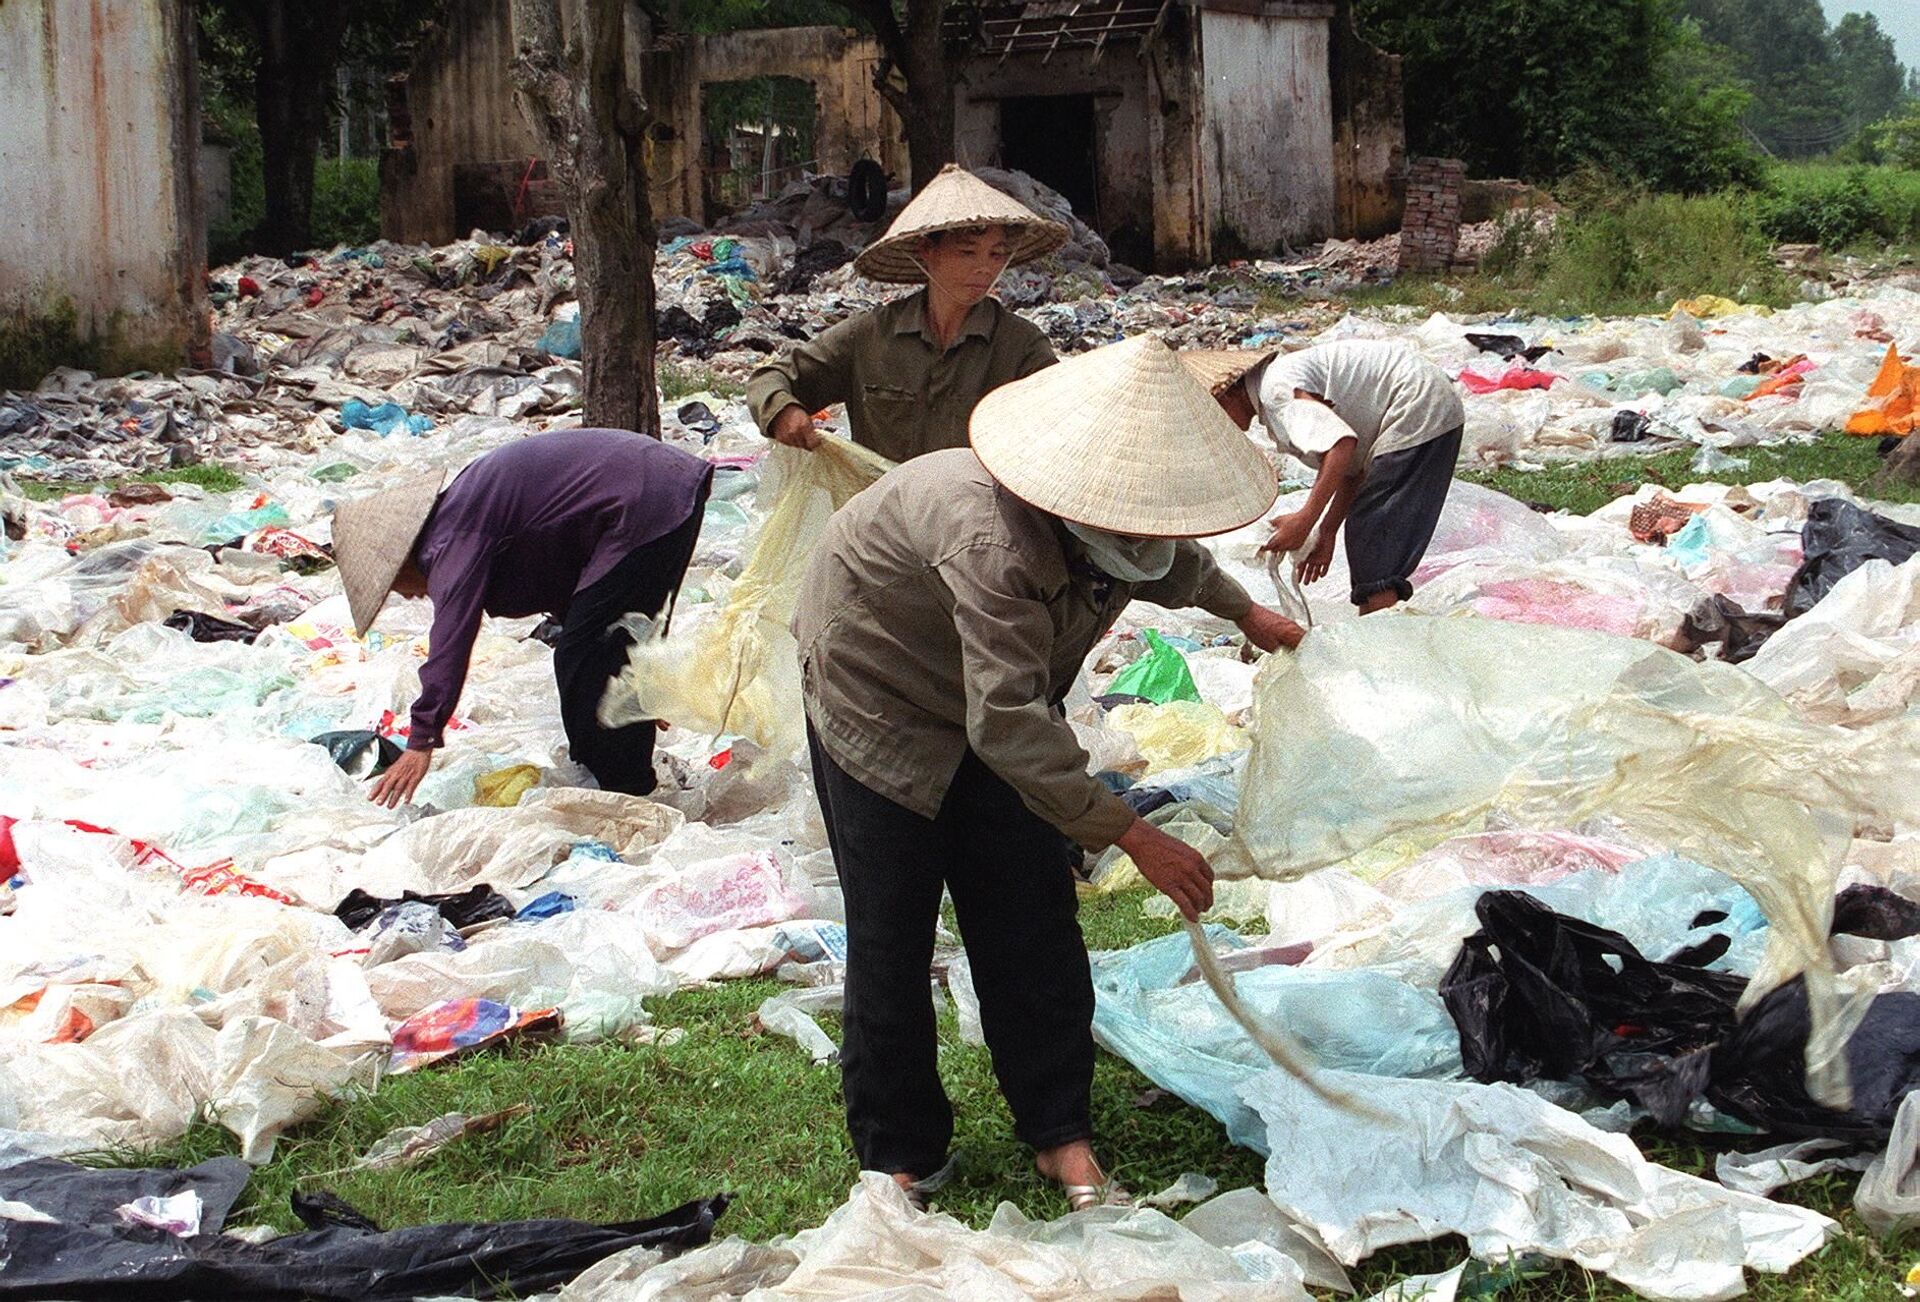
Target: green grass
column 215, row 479
column 679, row 382
column 1584, row 486
column 617, row 1132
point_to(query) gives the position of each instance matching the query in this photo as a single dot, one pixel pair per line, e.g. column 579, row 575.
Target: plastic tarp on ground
column 736, row 670
column 1413, row 729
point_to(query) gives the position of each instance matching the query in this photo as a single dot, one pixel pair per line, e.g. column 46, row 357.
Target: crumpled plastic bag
column 875, row 1244
column 1888, row 1196
column 1179, row 734
column 1161, row 675
column 737, row 672
column 1514, row 1174
column 1855, row 657
column 1423, row 728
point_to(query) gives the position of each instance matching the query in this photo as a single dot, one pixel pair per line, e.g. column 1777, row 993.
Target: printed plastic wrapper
column 1416, row 727
column 737, row 671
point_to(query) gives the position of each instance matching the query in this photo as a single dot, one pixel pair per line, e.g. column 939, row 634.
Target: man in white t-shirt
column 1381, row 428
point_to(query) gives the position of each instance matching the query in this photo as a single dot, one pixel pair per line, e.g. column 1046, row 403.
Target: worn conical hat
column 955, row 200
column 1123, row 439
column 1222, row 368
column 372, row 538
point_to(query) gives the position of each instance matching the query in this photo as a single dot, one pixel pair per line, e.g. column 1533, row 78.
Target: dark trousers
column 591, row 650
column 1014, row 897
column 1395, row 513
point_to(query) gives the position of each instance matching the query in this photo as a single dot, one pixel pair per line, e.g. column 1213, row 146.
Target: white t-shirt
column 1386, row 396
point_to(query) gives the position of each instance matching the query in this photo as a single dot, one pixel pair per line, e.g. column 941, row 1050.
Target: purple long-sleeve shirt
column 525, row 527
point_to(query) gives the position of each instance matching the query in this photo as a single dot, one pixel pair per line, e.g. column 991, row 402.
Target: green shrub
column 346, row 202
column 1829, row 207
column 1637, row 252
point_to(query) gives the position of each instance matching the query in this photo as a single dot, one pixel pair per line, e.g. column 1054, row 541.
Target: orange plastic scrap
column 1893, row 399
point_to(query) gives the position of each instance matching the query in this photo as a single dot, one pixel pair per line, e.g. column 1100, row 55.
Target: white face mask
column 1130, row 560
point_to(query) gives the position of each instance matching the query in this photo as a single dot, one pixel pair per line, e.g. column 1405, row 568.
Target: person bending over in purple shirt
column 585, row 525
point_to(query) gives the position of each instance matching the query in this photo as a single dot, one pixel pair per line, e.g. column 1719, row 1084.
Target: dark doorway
column 1051, row 139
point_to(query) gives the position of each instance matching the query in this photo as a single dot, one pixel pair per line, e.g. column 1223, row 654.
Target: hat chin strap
column 948, row 290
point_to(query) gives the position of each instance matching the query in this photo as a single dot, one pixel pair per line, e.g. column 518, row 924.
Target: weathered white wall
column 1267, row 148
column 99, row 150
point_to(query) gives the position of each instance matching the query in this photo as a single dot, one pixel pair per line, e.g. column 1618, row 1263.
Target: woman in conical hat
column 943, row 617
column 911, row 370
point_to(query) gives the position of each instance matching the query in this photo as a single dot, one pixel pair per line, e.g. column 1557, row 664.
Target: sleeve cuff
column 1104, row 823
column 771, row 404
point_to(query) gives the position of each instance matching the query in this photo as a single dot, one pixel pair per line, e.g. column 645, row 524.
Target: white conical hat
column 1222, row 368
column 1125, row 439
column 955, row 200
column 372, row 538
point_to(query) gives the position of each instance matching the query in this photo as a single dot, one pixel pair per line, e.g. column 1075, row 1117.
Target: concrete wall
column 460, row 98
column 1267, row 164
column 1369, row 133
column 1122, row 133
column 102, row 254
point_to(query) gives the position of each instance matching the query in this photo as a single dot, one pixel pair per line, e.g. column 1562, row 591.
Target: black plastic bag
column 99, row 1258
column 359, row 752
column 1507, row 346
column 1837, row 539
column 460, row 908
column 1538, row 995
column 1740, row 633
column 1630, row 426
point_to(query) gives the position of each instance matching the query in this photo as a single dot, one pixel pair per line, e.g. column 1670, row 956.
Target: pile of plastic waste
column 1614, row 824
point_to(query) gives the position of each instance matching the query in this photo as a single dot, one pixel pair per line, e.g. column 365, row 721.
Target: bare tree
column 913, row 42
column 572, row 87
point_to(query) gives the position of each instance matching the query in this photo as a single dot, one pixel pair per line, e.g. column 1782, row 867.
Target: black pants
column 591, row 650
column 1013, row 893
column 1394, row 515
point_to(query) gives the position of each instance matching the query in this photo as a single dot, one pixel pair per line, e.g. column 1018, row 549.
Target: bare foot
column 905, row 1179
column 1070, row 1163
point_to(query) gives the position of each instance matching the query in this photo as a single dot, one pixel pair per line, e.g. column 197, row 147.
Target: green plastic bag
column 1159, row 676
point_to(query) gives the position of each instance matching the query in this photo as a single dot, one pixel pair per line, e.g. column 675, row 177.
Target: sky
column 1899, row 19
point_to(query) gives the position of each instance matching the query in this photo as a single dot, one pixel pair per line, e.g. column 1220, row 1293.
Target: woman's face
column 965, row 264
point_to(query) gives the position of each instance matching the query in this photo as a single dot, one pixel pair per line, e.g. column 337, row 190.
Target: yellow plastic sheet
column 1708, row 306
column 737, row 671
column 1404, row 728
column 1179, row 734
column 502, row 788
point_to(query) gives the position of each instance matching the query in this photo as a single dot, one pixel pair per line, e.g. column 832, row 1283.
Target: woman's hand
column 396, row 786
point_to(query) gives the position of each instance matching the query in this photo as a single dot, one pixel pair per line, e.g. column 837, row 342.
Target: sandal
column 1108, row 1193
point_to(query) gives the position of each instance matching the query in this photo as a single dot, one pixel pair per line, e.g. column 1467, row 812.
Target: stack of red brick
column 1430, row 230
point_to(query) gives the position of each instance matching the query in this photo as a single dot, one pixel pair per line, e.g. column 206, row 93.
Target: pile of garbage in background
column 1616, row 822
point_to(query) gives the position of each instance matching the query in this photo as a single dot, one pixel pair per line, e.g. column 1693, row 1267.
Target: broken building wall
column 1267, row 162
column 1111, row 94
column 1369, row 132
column 851, row 120
column 102, row 254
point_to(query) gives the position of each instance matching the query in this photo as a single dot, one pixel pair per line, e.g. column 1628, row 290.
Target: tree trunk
column 590, row 126
column 299, row 49
column 925, row 103
column 930, row 82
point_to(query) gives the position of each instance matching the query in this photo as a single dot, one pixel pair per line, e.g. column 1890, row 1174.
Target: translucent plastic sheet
column 737, row 672
column 875, row 1245
column 1408, row 727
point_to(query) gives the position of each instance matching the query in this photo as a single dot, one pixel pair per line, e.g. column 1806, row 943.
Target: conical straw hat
column 954, row 200
column 1222, row 368
column 372, row 538
column 1123, row 439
